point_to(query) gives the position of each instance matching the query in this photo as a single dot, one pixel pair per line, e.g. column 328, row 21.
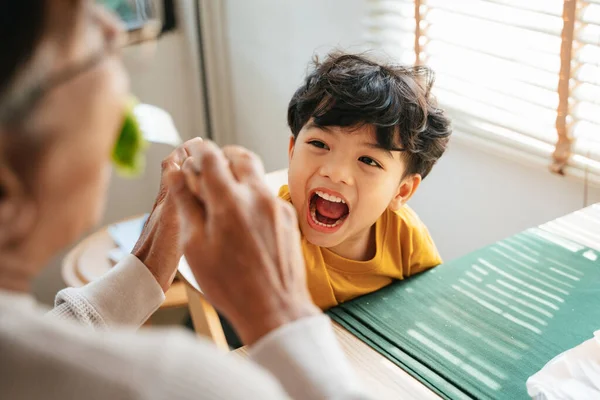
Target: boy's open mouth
column 326, row 210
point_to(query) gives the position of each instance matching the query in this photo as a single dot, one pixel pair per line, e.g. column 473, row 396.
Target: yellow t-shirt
column 404, row 248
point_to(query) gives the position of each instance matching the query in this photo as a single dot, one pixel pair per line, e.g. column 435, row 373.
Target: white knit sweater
column 88, row 347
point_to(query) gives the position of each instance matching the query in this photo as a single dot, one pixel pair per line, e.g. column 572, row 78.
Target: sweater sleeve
column 308, row 361
column 127, row 295
column 303, row 356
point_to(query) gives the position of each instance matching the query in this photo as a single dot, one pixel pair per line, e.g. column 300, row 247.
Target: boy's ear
column 291, row 147
column 406, row 189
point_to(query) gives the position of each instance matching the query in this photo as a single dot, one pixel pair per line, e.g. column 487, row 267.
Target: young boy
column 364, row 135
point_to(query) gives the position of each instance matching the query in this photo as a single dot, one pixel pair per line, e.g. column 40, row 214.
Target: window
column 133, row 13
column 139, row 14
column 517, row 76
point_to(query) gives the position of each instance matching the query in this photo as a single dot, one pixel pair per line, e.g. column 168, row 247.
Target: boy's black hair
column 348, row 90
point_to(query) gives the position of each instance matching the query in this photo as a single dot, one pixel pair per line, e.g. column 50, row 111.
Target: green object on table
column 479, row 326
column 128, row 154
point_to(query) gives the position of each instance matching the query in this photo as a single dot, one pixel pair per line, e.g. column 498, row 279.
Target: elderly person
column 62, row 94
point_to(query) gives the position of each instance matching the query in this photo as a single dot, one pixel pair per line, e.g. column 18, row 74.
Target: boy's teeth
column 329, row 197
column 313, row 214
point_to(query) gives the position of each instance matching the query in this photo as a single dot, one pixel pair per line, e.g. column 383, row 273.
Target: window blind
column 585, row 83
column 499, row 69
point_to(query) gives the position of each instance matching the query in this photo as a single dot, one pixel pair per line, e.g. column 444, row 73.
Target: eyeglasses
column 138, row 31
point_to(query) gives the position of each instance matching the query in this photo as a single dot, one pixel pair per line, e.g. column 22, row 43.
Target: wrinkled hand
column 242, row 243
column 158, row 246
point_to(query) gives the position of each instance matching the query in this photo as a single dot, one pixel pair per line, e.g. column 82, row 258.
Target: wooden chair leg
column 205, row 318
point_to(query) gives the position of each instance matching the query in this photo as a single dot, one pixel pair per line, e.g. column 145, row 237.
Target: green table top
column 479, row 326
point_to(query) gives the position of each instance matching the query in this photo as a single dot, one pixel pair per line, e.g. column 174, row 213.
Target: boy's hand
column 158, row 246
column 241, row 242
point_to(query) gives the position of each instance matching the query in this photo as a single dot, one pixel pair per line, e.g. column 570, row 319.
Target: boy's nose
column 337, row 173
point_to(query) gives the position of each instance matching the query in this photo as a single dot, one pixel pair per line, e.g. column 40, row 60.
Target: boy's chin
column 324, row 239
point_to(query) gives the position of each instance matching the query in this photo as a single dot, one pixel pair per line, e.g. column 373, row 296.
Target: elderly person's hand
column 158, row 246
column 241, row 242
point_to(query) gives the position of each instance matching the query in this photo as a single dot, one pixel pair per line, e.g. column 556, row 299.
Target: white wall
column 271, row 43
column 474, row 198
column 471, row 198
column 169, row 80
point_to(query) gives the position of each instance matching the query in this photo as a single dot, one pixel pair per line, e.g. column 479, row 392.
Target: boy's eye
column 369, row 161
column 318, row 144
